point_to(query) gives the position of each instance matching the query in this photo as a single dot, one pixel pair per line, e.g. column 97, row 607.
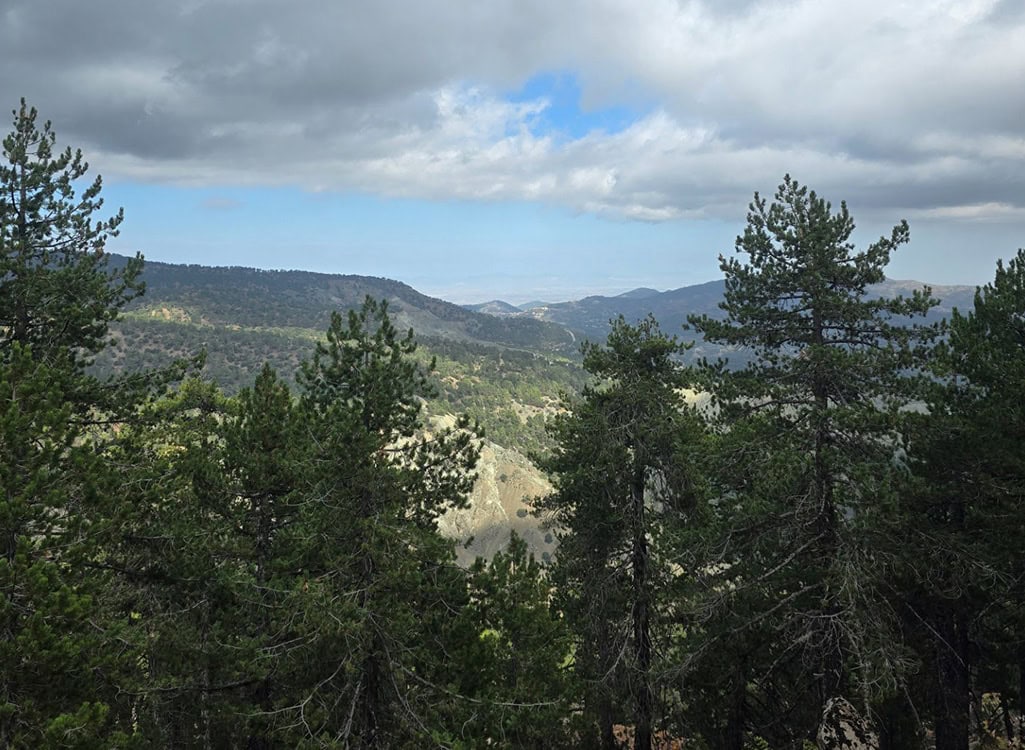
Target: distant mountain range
column 590, row 316
column 300, row 300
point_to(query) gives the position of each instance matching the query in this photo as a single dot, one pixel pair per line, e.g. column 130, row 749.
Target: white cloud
column 974, row 212
column 910, row 105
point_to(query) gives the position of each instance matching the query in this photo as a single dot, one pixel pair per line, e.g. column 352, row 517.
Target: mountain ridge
column 294, row 299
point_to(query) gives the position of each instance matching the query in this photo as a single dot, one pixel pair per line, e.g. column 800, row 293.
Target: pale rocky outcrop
column 505, row 480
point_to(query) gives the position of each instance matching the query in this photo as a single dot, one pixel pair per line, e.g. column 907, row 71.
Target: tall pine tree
column 965, row 523
column 810, row 473
column 624, row 476
column 376, row 570
column 56, row 301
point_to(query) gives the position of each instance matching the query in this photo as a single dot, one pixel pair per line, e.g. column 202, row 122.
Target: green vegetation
column 181, row 567
column 510, row 392
column 809, row 432
column 57, row 297
column 626, row 475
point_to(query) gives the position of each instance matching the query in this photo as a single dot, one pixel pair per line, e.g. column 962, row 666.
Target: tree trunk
column 371, row 682
column 831, row 664
column 641, row 627
column 898, row 723
column 599, row 697
column 605, row 722
column 1005, row 712
column 733, row 738
column 259, row 736
column 368, row 732
column 370, row 693
column 952, row 709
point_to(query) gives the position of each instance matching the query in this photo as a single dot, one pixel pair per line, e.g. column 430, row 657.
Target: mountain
column 494, row 307
column 243, row 316
column 253, row 298
column 640, row 292
column 528, row 306
column 591, row 315
column 506, row 373
column 961, row 296
column 505, row 370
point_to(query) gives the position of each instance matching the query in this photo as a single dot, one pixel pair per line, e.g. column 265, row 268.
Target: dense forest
column 826, row 553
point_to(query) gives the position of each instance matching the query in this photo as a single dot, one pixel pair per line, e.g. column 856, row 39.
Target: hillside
column 494, row 307
column 258, row 299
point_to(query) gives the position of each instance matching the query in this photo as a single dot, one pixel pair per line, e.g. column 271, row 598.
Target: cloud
column 975, row 212
column 897, row 106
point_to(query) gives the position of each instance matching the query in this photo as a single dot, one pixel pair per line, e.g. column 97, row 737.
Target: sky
column 531, row 149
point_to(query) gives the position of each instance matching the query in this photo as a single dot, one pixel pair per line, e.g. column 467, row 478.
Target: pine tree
column 55, row 291
column 51, row 654
column 169, row 558
column 810, row 474
column 508, row 653
column 56, row 301
column 256, row 491
column 965, row 522
column 624, row 475
column 210, row 577
column 376, row 570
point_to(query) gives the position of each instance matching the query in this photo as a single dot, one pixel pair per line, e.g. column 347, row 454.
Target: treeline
column 830, row 545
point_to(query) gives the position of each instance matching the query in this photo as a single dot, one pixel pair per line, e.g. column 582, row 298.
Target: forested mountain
column 300, row 299
column 507, row 372
column 268, row 314
column 242, row 317
column 494, row 307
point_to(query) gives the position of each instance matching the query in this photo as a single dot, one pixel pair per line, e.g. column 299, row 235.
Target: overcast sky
column 529, row 149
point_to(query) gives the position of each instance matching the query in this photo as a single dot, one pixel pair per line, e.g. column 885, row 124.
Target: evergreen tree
column 211, row 576
column 173, row 583
column 56, row 300
column 623, row 477
column 376, row 570
column 256, row 490
column 55, row 290
column 966, row 521
column 51, row 653
column 810, row 475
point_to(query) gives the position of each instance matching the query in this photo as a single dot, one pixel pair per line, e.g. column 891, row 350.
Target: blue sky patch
column 564, row 115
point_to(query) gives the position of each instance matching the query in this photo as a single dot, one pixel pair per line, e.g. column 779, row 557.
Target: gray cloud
column 899, row 107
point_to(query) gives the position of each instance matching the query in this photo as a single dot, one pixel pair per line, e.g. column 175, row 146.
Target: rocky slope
column 506, row 480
